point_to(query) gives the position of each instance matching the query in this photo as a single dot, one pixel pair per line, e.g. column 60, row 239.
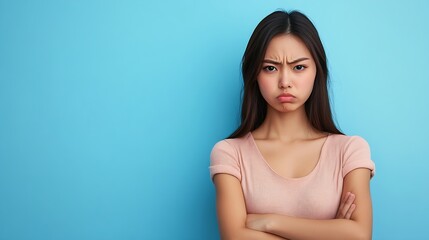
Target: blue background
column 109, row 110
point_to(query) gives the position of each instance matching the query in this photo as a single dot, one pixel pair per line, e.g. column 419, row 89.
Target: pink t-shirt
column 316, row 195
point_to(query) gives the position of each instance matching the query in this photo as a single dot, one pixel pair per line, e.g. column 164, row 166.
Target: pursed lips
column 286, row 97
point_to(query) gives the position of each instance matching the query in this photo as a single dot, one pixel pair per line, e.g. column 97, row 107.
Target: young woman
column 287, row 172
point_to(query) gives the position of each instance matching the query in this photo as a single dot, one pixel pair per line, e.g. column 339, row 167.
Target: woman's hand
column 347, row 206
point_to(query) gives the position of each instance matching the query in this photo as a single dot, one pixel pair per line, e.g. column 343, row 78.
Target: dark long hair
column 254, row 106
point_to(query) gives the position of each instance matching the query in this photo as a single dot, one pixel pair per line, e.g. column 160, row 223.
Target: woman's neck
column 288, row 126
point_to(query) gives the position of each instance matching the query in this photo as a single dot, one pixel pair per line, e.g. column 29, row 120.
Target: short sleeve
column 357, row 155
column 224, row 159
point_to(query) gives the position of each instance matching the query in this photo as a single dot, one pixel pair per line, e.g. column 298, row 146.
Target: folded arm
column 231, row 211
column 359, row 226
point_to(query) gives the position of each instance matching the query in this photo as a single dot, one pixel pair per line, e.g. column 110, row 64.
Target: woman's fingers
column 350, row 211
column 346, row 207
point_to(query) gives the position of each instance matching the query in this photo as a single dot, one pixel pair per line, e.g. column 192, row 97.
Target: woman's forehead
column 286, row 47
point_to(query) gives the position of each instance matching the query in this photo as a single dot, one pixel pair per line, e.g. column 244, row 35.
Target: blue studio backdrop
column 109, row 110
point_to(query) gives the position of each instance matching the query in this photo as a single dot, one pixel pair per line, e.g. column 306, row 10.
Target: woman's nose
column 285, row 80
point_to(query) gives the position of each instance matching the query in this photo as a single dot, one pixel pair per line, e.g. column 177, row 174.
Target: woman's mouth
column 286, row 98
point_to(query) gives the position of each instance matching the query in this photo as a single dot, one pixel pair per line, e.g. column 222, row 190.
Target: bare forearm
column 249, row 234
column 299, row 228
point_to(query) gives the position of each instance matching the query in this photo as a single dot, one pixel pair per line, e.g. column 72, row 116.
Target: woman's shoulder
column 230, row 151
column 354, row 151
column 341, row 138
column 233, row 143
column 345, row 142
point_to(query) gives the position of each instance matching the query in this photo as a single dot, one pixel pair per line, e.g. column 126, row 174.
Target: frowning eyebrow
column 291, row 62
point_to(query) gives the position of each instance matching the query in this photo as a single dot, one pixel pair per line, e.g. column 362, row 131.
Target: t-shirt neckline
column 309, row 175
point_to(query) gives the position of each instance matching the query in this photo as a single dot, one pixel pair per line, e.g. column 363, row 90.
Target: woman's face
column 287, row 76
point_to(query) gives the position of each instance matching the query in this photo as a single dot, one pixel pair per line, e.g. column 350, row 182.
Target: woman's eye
column 270, row 68
column 299, row 67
